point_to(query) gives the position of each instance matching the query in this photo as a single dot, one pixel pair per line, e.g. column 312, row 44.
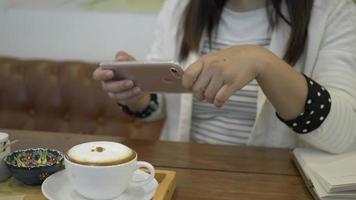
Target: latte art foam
column 100, row 153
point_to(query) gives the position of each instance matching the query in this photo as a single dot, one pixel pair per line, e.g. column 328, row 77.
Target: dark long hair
column 204, row 15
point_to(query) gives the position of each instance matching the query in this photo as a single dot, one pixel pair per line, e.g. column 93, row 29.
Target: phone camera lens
column 174, row 70
column 175, row 73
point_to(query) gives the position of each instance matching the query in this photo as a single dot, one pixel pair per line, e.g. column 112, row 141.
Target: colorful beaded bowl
column 32, row 166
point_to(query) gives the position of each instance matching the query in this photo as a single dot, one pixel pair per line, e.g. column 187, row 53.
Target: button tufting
column 32, row 112
column 100, row 120
column 67, row 117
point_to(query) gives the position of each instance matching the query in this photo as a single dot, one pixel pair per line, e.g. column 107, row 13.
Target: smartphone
column 149, row 76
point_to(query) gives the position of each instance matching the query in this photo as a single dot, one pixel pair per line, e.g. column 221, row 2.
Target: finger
column 111, row 95
column 201, row 84
column 126, row 95
column 191, row 74
column 224, row 93
column 124, row 56
column 102, row 75
column 117, row 86
column 134, row 98
column 214, row 86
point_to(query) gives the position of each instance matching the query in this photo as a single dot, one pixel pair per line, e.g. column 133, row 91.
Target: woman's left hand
column 218, row 75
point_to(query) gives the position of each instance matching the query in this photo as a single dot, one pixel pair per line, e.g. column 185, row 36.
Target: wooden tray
column 13, row 189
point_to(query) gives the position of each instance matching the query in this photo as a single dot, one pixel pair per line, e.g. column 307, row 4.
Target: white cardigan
column 329, row 59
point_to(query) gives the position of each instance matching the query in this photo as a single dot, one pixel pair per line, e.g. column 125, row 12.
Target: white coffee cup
column 4, row 171
column 108, row 181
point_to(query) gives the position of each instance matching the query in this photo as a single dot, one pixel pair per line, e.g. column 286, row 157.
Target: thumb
column 124, row 56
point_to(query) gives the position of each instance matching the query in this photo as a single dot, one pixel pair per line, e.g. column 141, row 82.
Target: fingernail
column 111, row 95
column 120, row 57
column 218, row 105
column 109, row 74
column 137, row 90
column 129, row 84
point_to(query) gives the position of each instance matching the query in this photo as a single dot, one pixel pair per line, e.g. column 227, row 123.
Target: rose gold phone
column 150, row 76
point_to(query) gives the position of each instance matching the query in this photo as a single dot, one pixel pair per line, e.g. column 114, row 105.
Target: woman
column 280, row 75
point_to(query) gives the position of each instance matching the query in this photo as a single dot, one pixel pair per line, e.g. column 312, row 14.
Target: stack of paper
column 329, row 177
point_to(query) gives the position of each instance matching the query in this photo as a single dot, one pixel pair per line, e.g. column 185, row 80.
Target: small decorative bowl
column 32, row 166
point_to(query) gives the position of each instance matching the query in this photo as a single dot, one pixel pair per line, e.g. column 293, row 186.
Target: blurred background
column 88, row 30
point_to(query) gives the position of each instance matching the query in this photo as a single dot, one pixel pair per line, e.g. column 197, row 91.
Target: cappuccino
column 100, row 153
column 103, row 170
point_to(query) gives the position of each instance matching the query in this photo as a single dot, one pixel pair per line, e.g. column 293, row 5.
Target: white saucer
column 58, row 187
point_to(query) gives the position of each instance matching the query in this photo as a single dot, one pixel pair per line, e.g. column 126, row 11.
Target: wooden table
column 213, row 172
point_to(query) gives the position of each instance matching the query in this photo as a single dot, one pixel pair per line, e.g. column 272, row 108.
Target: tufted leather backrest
column 62, row 96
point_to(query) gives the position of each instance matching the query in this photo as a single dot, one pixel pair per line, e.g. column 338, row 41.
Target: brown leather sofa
column 62, row 96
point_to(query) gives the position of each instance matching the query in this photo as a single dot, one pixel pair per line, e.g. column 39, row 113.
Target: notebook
column 327, row 176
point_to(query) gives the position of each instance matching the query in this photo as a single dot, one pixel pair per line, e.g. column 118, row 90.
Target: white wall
column 74, row 35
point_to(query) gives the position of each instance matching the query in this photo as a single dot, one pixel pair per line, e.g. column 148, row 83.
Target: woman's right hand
column 123, row 91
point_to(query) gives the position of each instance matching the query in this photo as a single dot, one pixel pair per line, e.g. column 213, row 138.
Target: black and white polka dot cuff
column 316, row 109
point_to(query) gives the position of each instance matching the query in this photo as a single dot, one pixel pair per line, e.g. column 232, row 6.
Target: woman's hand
column 124, row 91
column 217, row 76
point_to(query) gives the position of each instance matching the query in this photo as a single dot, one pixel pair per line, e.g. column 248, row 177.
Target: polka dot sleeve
column 316, row 109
